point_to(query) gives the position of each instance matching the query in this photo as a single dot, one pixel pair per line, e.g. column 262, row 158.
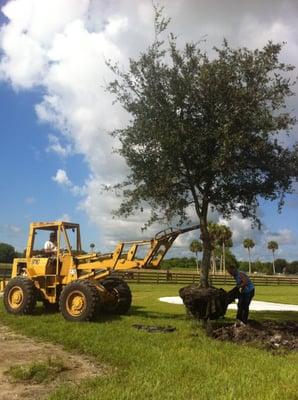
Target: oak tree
column 203, row 131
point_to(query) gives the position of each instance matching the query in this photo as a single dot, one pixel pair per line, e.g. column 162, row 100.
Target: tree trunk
column 249, row 262
column 197, row 262
column 204, row 281
column 273, row 263
column 213, row 261
column 223, row 258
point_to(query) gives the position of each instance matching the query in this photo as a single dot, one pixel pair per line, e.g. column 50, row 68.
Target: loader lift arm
column 158, row 247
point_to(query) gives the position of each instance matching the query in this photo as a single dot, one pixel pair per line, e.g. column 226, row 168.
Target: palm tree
column 196, row 247
column 273, row 246
column 92, row 245
column 248, row 244
column 224, row 239
column 213, row 229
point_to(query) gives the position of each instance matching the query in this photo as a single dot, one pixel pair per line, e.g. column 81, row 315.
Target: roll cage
column 60, row 228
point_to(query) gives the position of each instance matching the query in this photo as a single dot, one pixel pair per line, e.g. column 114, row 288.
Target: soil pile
column 270, row 335
column 207, row 303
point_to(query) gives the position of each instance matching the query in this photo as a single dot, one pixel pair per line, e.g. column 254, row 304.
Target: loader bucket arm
column 121, row 259
column 160, row 245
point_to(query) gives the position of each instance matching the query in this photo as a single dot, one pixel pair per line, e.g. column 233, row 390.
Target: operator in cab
column 50, row 245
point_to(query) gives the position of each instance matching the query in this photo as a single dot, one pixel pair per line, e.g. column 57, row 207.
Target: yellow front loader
column 80, row 284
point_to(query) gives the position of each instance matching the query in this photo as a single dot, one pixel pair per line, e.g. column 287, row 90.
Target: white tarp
column 254, row 305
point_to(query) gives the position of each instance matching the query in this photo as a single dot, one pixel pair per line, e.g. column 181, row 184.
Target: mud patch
column 154, row 328
column 18, row 350
column 271, row 335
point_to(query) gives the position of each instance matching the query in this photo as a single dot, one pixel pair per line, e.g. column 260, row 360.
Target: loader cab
column 68, row 238
column 45, row 262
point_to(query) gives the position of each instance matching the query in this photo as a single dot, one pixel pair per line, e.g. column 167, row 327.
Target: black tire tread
column 124, row 296
column 30, row 295
column 91, row 293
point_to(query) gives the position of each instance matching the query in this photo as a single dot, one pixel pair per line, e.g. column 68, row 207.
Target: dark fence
column 5, row 273
column 185, row 278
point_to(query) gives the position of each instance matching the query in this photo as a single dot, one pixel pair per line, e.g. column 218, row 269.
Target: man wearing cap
column 50, row 245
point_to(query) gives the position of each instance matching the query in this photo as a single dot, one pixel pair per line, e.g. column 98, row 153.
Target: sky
column 56, row 152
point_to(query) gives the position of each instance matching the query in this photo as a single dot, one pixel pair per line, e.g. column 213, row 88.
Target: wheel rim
column 15, row 297
column 76, row 303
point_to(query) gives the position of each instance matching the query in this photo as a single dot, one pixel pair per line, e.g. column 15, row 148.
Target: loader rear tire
column 122, row 296
column 79, row 301
column 20, row 296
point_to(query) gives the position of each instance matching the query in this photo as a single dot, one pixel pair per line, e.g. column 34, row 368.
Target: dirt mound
column 207, row 303
column 271, row 335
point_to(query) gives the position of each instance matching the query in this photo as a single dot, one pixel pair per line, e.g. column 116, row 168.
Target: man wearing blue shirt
column 247, row 292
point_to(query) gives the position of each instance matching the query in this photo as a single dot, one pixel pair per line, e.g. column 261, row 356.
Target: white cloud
column 56, row 146
column 282, row 237
column 29, row 35
column 240, row 227
column 61, row 178
column 64, row 217
column 60, row 46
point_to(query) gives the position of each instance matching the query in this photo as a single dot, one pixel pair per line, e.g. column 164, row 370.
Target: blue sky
column 27, row 169
column 55, row 115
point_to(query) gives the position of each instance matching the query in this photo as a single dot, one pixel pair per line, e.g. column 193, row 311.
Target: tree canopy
column 248, row 244
column 272, row 245
column 196, row 246
column 204, row 131
column 7, row 253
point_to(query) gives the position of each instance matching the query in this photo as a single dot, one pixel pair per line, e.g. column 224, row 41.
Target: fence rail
column 153, row 276
column 187, row 278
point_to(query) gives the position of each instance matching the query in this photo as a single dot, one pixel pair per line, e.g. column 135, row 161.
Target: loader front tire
column 79, row 301
column 20, row 296
column 121, row 296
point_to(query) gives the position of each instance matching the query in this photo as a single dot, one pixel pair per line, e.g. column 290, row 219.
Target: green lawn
column 184, row 364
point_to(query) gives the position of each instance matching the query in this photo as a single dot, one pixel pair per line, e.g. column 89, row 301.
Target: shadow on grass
column 144, row 313
column 100, row 317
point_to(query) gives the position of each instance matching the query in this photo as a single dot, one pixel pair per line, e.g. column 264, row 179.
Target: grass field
column 184, row 364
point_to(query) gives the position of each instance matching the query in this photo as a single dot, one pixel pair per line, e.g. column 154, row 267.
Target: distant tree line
column 281, row 266
column 262, row 267
column 8, row 253
column 221, row 243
